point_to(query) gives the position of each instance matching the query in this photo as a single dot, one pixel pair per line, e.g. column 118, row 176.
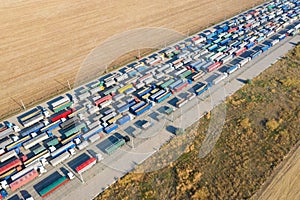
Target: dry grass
column 261, row 127
column 44, row 43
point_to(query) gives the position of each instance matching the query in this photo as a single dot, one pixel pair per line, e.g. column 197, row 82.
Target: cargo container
column 30, row 114
column 274, row 42
column 71, row 138
column 70, row 122
column 220, row 78
column 57, row 160
column 197, row 76
column 36, row 158
column 255, row 54
column 92, row 132
column 53, row 186
column 201, row 87
column 93, row 110
column 212, row 47
column 35, row 140
column 125, row 107
column 181, row 102
column 110, row 128
column 33, row 120
column 95, row 90
column 154, row 96
column 139, row 85
column 251, row 44
column 265, row 48
column 144, row 91
column 23, row 180
column 59, row 102
column 7, row 155
column 62, row 149
column 206, row 64
column 114, row 119
column 110, row 91
column 73, row 129
column 6, row 131
column 63, row 107
column 180, row 71
column 52, row 142
column 227, row 59
column 163, row 97
column 94, row 138
column 118, row 97
column 190, row 96
column 17, row 143
column 86, row 165
column 216, row 55
column 142, row 109
column 63, row 114
column 105, row 103
column 180, row 86
column 214, row 66
column 185, row 74
column 240, row 51
column 232, row 69
column 107, row 112
column 103, row 99
column 5, row 141
column 243, row 62
column 82, row 145
column 167, row 83
column 38, row 149
column 116, row 145
column 12, row 164
column 225, row 41
column 25, row 171
column 126, row 118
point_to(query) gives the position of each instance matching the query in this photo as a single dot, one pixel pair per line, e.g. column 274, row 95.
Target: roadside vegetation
column 262, row 125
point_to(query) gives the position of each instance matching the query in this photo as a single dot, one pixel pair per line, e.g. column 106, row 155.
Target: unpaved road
column 285, row 184
column 44, row 43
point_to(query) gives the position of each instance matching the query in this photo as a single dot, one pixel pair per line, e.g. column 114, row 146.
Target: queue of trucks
column 95, row 112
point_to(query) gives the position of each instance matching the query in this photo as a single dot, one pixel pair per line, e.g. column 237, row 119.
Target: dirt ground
column 285, row 183
column 44, row 43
